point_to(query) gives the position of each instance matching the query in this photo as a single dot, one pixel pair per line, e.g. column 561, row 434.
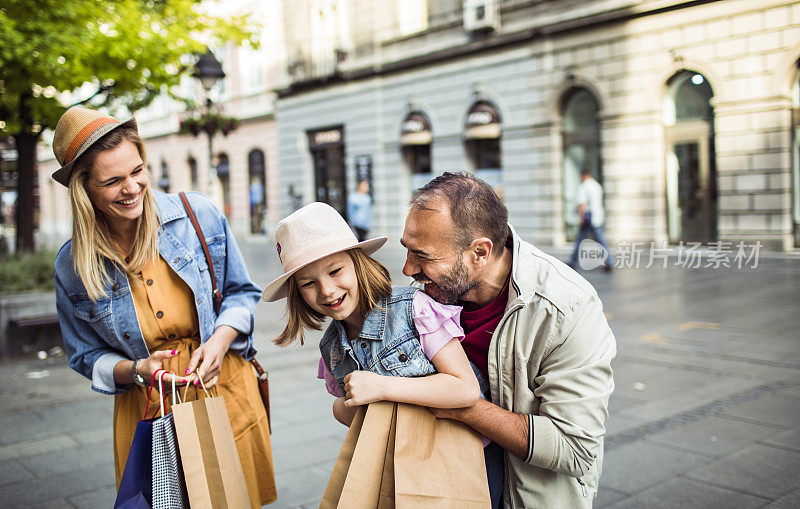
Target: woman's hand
column 363, row 387
column 209, row 356
column 148, row 366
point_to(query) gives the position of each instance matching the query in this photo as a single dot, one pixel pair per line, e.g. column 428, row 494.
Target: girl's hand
column 363, row 387
column 148, row 366
column 209, row 355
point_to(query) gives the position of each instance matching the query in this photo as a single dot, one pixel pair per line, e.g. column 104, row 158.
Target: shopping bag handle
column 150, row 392
column 175, row 394
column 186, row 390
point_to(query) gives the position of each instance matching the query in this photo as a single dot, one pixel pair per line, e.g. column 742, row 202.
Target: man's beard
column 451, row 287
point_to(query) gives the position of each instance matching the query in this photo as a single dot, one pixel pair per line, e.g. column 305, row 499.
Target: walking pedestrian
column 359, row 210
column 591, row 215
column 134, row 295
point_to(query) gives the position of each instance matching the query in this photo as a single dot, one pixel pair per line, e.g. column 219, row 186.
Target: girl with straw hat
column 383, row 339
column 134, row 295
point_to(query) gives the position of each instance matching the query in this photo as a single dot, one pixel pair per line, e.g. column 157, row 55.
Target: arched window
column 257, row 190
column 192, row 173
column 482, row 135
column 223, row 174
column 415, row 139
column 580, row 138
column 691, row 180
column 163, row 180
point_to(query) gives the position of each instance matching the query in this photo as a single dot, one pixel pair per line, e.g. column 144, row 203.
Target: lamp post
column 209, row 71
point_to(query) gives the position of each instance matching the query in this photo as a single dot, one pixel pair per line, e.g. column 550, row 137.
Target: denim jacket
column 388, row 343
column 97, row 335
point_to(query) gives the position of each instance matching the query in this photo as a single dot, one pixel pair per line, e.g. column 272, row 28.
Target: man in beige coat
column 534, row 328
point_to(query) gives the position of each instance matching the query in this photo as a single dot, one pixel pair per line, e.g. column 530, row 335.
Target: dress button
column 126, row 336
column 149, row 282
column 127, row 259
column 403, row 357
column 159, row 314
column 172, row 336
column 363, row 344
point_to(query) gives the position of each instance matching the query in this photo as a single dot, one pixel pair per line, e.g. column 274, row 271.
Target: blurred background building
column 688, row 113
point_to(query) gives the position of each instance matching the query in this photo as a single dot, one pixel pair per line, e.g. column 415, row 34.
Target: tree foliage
column 127, row 50
column 115, row 52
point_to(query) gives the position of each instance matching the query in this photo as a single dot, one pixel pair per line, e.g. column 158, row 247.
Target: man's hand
column 363, row 387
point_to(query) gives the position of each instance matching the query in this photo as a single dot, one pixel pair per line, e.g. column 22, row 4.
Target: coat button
column 126, row 336
column 159, row 314
column 91, row 313
column 403, row 357
column 149, row 282
column 363, row 344
column 115, row 287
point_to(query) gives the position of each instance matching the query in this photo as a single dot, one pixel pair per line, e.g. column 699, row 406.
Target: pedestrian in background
column 134, row 295
column 359, row 210
column 591, row 214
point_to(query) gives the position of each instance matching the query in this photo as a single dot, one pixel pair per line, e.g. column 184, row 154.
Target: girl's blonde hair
column 92, row 244
column 374, row 284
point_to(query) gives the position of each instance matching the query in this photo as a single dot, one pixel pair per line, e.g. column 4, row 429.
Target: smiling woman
column 132, row 300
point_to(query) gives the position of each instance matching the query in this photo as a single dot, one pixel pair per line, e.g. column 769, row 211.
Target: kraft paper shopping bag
column 211, row 466
column 398, row 455
column 437, row 462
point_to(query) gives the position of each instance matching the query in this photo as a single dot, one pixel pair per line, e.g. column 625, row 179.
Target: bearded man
column 534, row 328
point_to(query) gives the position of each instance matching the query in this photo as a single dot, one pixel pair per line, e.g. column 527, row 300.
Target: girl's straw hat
column 310, row 234
column 76, row 131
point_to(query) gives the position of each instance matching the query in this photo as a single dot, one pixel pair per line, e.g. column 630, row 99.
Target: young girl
column 385, row 343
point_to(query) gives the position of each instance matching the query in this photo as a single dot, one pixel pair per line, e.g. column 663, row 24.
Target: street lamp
column 208, row 70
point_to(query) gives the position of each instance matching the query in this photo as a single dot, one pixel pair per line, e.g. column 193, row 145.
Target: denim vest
column 388, row 343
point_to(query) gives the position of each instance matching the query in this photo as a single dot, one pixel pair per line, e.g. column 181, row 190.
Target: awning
column 416, row 130
column 482, row 122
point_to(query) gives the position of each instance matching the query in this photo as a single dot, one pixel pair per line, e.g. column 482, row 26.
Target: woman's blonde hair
column 92, row 244
column 374, row 284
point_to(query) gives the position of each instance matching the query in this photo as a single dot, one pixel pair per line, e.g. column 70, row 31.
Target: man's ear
column 481, row 250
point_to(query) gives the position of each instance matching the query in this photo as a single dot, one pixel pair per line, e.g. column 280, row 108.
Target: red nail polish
column 187, row 371
column 196, row 382
column 173, row 352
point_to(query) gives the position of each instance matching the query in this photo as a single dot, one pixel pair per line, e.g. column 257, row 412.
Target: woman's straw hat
column 76, row 131
column 310, row 234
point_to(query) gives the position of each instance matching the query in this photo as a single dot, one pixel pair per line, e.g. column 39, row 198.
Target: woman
column 134, row 294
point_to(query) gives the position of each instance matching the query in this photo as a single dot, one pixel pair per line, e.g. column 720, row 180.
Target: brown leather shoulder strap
column 215, row 291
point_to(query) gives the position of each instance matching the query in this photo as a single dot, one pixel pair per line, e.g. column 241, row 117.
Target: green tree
column 127, row 51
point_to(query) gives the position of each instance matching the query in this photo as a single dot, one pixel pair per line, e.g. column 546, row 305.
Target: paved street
column 706, row 411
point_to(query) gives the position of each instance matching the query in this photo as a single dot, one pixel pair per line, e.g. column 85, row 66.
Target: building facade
column 684, row 111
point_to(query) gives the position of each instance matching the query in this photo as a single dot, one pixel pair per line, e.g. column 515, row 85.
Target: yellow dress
column 168, row 319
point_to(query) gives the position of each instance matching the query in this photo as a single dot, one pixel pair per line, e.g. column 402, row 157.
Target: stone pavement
column 706, row 411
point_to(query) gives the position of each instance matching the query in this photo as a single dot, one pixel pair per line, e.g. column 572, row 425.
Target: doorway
column 691, row 179
column 327, row 153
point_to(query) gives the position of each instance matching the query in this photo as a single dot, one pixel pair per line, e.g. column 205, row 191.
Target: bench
column 28, row 322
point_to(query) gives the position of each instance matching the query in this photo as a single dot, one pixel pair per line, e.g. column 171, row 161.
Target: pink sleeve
column 436, row 323
column 324, row 373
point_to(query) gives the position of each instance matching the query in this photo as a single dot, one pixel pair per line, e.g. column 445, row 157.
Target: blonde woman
column 134, row 293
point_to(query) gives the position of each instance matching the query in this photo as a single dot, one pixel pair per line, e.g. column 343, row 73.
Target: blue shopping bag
column 136, row 487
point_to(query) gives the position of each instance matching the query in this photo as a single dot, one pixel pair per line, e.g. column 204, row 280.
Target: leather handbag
column 261, row 373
